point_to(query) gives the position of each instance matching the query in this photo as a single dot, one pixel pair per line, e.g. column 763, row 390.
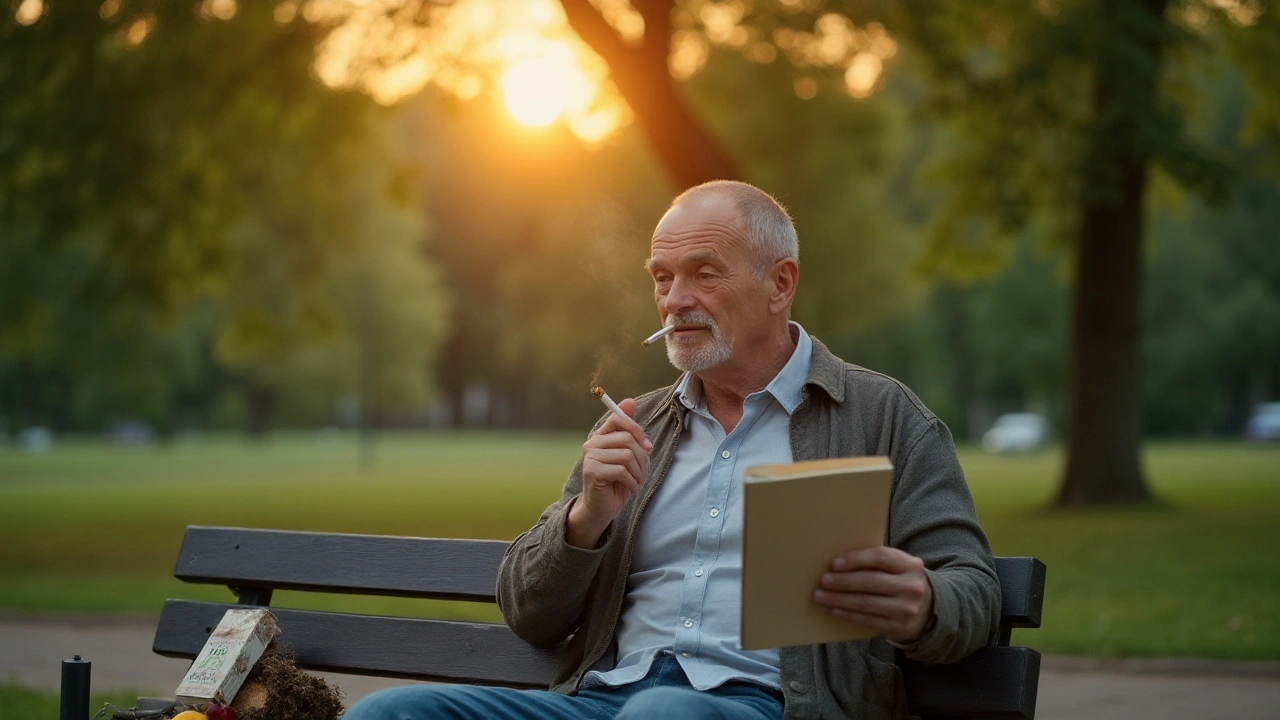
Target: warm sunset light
column 537, row 90
column 473, row 49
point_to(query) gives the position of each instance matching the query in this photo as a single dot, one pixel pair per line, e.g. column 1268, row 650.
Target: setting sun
column 540, row 90
column 475, row 49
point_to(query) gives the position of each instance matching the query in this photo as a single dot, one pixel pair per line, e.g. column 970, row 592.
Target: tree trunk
column 260, row 410
column 686, row 150
column 1104, row 415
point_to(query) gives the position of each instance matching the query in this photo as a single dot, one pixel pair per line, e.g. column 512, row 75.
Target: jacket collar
column 827, row 371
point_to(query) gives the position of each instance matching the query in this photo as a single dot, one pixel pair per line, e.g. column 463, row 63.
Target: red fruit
column 220, row 712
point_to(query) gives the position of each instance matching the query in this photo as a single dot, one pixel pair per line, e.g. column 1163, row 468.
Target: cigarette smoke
column 606, row 358
column 612, row 255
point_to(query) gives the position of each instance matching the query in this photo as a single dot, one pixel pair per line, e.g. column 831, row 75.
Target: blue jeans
column 663, row 693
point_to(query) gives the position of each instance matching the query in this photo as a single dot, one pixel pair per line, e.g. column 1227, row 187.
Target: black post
column 75, row 689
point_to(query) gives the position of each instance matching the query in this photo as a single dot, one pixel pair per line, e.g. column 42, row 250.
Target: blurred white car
column 1016, row 432
column 1264, row 424
column 35, row 439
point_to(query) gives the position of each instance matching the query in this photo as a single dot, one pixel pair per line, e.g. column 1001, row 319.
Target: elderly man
column 639, row 562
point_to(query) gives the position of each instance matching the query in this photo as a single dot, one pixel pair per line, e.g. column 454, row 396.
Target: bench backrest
column 999, row 681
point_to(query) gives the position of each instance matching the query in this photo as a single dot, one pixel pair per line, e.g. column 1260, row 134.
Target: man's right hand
column 615, row 463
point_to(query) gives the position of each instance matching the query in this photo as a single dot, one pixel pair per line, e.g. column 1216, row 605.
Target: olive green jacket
column 549, row 590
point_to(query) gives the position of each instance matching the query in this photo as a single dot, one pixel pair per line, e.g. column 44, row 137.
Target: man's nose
column 678, row 299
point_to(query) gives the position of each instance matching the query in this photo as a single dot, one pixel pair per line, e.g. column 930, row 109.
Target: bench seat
column 996, row 682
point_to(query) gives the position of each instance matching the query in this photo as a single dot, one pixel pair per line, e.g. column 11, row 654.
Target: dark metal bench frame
column 996, row 682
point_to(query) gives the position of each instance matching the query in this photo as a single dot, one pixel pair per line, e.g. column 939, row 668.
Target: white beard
column 693, row 355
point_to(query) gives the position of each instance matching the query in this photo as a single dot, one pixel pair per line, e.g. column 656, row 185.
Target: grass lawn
column 19, row 703
column 89, row 527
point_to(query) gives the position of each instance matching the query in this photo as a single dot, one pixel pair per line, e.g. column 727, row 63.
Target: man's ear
column 784, row 276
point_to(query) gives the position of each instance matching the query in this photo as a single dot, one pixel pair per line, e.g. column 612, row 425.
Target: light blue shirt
column 684, row 590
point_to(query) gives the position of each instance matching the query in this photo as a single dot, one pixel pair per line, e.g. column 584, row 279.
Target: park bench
column 996, row 682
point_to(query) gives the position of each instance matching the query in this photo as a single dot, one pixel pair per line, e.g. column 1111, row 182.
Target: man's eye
column 706, row 276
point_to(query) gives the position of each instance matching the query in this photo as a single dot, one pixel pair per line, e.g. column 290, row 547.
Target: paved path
column 33, row 646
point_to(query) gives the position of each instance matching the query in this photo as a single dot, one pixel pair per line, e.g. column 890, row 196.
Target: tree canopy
column 320, row 212
column 173, row 179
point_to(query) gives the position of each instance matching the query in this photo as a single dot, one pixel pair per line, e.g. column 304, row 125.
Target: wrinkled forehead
column 710, row 221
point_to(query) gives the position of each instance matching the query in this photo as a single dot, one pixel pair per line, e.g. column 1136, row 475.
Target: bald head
column 766, row 226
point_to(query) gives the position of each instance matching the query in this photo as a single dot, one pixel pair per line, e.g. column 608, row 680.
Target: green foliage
column 1019, row 85
column 194, row 231
column 1213, row 299
column 1213, row 289
column 184, row 207
column 973, row 351
column 123, row 144
column 331, row 293
column 1255, row 49
column 1018, row 333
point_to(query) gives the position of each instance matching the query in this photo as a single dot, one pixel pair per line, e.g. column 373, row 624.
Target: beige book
column 796, row 518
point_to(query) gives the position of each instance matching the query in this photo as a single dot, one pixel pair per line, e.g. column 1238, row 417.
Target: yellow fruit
column 189, row 715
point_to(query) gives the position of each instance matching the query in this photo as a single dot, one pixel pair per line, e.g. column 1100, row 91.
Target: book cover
column 796, row 518
column 217, row 673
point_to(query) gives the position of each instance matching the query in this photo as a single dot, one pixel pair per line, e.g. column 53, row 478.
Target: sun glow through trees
column 539, row 90
column 521, row 55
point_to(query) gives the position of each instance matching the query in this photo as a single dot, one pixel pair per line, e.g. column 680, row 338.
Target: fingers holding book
column 881, row 588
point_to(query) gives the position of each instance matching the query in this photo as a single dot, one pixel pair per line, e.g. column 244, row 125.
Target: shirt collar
column 786, row 387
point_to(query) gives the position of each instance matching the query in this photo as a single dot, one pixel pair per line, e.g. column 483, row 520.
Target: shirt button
column 715, row 512
column 684, row 654
column 697, row 573
column 688, row 623
column 797, row 686
column 724, row 454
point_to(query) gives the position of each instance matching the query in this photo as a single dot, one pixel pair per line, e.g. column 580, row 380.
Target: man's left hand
column 881, row 588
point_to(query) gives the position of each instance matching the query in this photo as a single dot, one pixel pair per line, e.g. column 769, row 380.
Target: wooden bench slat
column 440, row 650
column 1021, row 591
column 341, row 563
column 995, row 683
column 434, row 567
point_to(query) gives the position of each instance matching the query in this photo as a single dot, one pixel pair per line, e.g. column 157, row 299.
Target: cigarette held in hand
column 608, row 402
column 657, row 336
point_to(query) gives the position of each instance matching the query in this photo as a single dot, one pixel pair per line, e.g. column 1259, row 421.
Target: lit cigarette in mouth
column 608, row 402
column 657, row 336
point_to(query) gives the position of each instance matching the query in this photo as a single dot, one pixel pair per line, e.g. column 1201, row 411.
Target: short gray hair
column 770, row 233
